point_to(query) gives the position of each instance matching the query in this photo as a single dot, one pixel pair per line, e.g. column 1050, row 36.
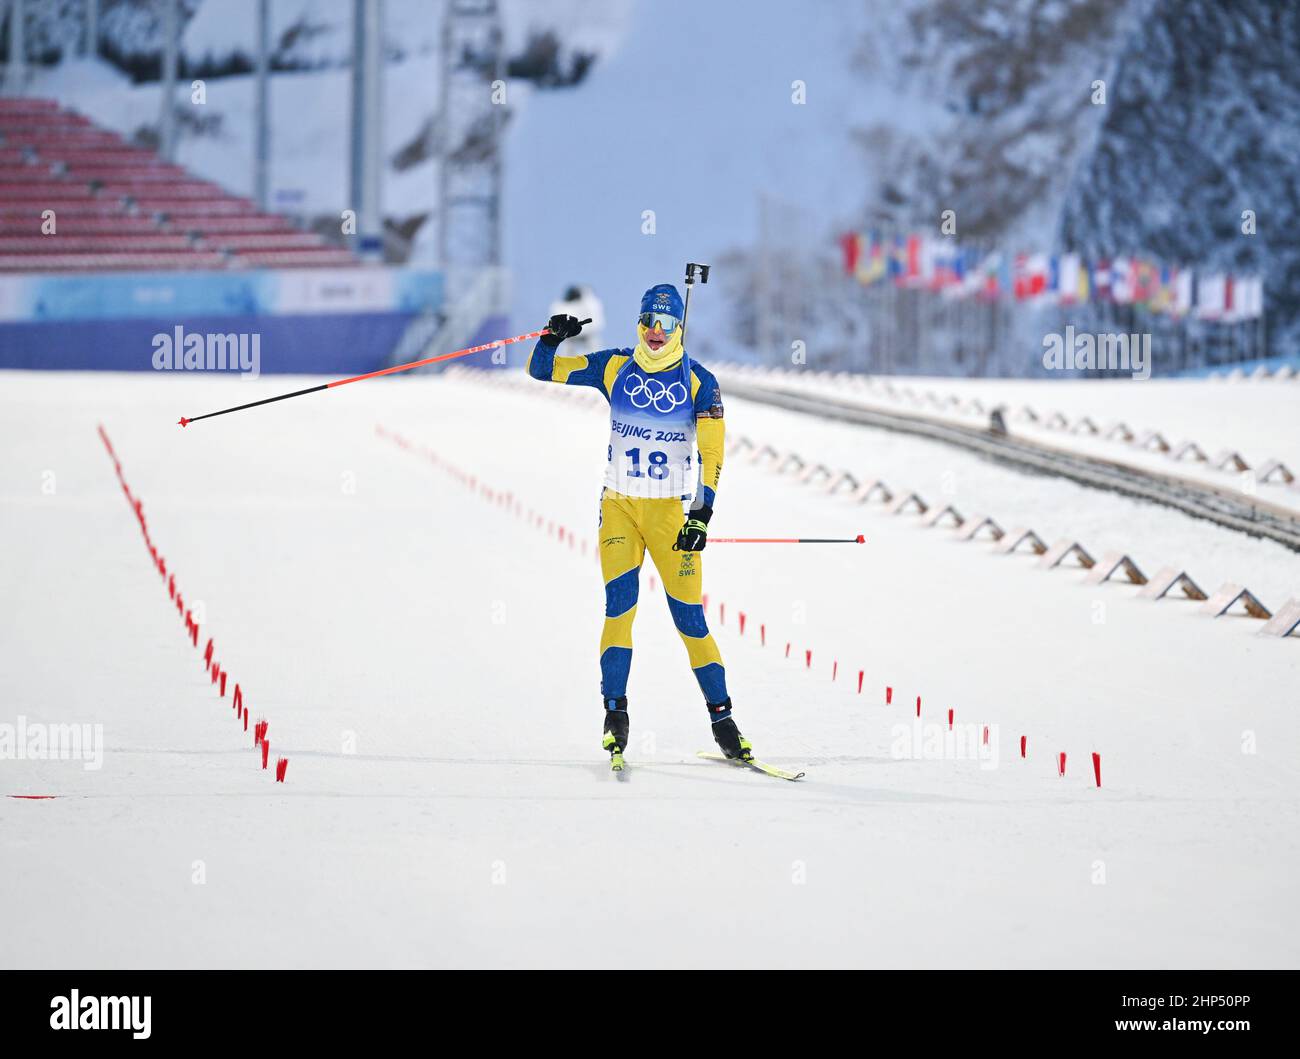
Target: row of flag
column 941, row 265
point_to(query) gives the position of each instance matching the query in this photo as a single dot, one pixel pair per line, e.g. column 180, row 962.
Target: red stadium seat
column 42, row 190
column 106, row 242
column 268, row 241
column 117, row 205
column 249, row 224
column 82, row 224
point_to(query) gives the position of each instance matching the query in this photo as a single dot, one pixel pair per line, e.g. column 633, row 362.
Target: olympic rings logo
column 645, row 392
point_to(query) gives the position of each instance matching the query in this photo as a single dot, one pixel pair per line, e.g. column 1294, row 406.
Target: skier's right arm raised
column 582, row 370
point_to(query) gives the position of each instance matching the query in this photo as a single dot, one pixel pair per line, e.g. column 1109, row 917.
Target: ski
column 616, row 764
column 753, row 763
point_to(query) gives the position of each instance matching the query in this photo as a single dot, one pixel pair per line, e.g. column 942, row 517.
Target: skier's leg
column 621, row 552
column 683, row 577
column 682, row 574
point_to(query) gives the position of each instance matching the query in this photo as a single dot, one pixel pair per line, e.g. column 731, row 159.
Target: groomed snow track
column 1231, row 509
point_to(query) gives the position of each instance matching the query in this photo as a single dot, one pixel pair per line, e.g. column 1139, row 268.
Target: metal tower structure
column 470, row 123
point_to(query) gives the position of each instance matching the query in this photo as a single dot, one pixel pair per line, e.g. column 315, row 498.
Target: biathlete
column 665, row 449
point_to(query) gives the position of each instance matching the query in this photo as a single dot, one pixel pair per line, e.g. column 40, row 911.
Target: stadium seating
column 118, row 206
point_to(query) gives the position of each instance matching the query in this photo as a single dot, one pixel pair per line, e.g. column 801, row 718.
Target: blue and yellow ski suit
column 682, row 404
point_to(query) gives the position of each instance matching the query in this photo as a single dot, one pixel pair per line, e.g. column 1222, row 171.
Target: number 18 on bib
column 652, row 433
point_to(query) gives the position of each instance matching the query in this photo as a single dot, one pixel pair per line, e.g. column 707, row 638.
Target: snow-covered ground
column 1255, row 418
column 426, row 658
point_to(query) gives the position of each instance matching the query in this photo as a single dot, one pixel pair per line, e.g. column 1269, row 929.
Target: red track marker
column 722, row 614
column 835, row 669
column 860, row 675
column 986, row 735
column 1023, row 740
column 1096, row 766
column 741, row 618
column 223, row 684
column 889, row 694
column 807, row 658
column 762, row 635
column 266, row 751
column 787, row 648
column 918, row 705
column 1061, row 765
column 281, row 767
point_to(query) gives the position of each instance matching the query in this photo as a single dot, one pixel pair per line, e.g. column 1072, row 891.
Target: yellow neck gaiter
column 668, row 355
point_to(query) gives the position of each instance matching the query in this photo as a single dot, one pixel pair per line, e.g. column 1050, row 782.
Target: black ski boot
column 616, row 726
column 727, row 735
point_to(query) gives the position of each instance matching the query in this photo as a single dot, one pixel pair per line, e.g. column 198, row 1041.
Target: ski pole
column 691, row 268
column 372, row 374
column 859, row 539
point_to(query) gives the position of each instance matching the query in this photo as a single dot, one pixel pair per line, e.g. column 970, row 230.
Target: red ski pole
column 184, row 421
column 859, row 539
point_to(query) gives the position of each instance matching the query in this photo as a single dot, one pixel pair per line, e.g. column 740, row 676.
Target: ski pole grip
column 581, row 323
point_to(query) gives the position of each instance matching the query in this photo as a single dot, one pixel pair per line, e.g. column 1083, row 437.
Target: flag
column 1121, row 280
column 1067, row 278
column 1209, row 297
column 912, row 261
column 1253, row 297
column 1020, row 284
column 1141, row 281
column 1162, row 298
column 986, row 276
column 871, row 264
column 897, row 261
column 1101, row 281
column 1183, row 292
column 851, row 245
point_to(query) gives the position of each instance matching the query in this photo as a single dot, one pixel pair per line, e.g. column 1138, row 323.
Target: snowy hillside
column 1198, row 131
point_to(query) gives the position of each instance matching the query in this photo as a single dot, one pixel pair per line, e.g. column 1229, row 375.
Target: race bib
column 652, row 433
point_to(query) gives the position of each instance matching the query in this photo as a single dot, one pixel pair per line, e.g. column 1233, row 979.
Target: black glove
column 561, row 327
column 695, row 533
